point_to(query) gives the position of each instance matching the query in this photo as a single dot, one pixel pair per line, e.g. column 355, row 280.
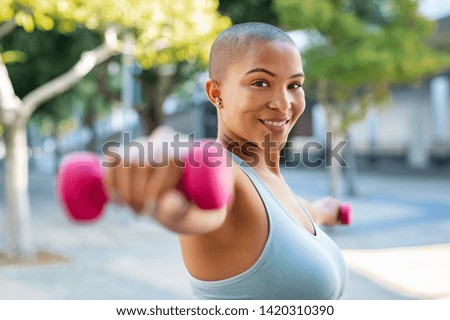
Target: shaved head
column 232, row 44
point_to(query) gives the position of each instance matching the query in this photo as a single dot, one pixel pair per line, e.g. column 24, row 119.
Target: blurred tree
column 358, row 50
column 158, row 83
column 44, row 56
column 163, row 31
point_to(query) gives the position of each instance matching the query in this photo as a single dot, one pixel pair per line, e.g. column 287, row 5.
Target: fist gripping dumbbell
column 206, row 181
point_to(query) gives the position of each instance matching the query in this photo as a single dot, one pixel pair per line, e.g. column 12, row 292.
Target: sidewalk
column 124, row 257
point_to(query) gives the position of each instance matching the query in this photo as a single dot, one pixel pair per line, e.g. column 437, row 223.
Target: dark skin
column 260, row 96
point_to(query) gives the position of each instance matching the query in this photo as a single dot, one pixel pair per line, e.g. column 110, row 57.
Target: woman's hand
column 327, row 211
column 151, row 190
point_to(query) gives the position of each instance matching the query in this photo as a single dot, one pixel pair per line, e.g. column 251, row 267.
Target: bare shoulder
column 237, row 244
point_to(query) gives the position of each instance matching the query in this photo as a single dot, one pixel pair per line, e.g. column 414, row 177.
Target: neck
column 263, row 156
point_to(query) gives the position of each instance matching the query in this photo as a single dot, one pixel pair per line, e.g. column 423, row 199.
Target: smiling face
column 261, row 93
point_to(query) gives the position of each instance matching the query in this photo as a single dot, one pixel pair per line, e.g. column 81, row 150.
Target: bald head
column 232, row 44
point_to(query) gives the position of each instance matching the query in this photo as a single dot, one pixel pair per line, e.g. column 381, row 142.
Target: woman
column 265, row 244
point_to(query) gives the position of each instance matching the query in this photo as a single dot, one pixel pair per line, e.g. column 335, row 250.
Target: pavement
column 398, row 246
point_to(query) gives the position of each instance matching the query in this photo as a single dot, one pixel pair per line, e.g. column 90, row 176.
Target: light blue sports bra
column 294, row 264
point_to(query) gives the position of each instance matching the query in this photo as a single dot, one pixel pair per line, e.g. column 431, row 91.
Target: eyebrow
column 300, row 74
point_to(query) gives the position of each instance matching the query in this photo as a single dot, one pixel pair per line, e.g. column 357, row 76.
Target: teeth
column 272, row 123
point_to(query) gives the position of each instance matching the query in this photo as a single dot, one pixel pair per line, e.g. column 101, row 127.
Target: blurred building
column 415, row 125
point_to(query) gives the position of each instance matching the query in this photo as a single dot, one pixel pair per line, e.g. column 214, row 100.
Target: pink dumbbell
column 345, row 213
column 206, row 181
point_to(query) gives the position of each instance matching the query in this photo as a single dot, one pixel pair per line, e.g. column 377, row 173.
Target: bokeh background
column 77, row 74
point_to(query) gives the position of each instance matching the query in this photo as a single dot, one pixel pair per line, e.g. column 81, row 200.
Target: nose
column 282, row 101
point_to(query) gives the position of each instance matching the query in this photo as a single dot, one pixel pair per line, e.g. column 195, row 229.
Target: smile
column 274, row 123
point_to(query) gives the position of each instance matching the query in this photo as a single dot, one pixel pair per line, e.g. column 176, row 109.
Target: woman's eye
column 295, row 85
column 260, row 84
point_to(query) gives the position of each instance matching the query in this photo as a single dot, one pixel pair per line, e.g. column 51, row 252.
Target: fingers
column 154, row 179
column 169, row 177
column 168, row 210
column 110, row 164
column 137, row 186
column 179, row 215
column 171, row 207
column 118, row 179
column 123, row 178
column 330, row 208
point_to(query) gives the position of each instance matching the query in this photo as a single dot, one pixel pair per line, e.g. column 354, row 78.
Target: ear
column 212, row 88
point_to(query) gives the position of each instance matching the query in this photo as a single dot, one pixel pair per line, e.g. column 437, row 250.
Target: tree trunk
column 7, row 27
column 350, row 171
column 18, row 224
column 57, row 153
column 150, row 118
column 334, row 177
column 14, row 115
column 31, row 162
column 89, row 120
column 334, row 168
column 155, row 89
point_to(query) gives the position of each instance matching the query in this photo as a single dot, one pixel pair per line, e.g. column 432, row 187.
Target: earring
column 219, row 102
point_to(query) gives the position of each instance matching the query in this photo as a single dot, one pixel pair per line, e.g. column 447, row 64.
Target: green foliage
column 296, row 14
column 364, row 48
column 13, row 56
column 249, row 10
column 165, row 31
column 46, row 56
